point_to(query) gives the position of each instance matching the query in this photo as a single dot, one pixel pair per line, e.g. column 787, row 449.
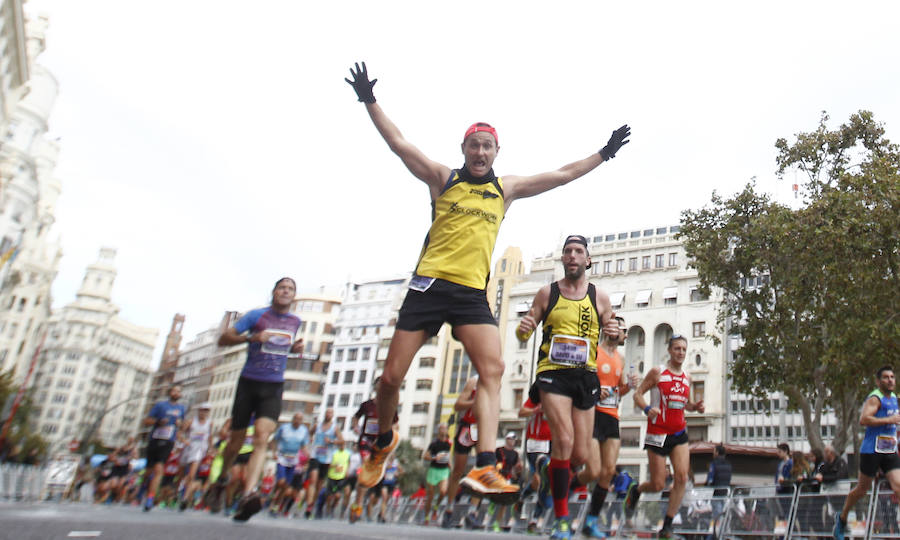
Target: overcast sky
column 217, row 147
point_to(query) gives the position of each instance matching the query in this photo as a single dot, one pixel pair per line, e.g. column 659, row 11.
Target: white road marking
column 84, row 534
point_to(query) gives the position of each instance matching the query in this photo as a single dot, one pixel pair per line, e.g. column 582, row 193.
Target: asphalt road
column 51, row 521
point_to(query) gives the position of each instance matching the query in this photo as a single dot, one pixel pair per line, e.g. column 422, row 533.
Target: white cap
column 511, row 435
column 205, row 405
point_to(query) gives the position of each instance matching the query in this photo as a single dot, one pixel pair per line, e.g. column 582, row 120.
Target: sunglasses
column 676, row 337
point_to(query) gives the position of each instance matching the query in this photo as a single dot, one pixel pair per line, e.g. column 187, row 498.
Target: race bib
column 287, row 460
column 390, row 474
column 442, row 458
column 321, row 453
column 612, row 400
column 534, row 446
column 279, row 342
column 675, row 405
column 569, row 350
column 420, row 283
column 468, row 435
column 371, row 427
column 886, row 444
column 198, row 437
column 163, row 432
column 655, row 439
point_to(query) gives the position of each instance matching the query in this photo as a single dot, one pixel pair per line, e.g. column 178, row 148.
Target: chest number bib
column 886, row 444
column 569, row 350
column 371, row 427
column 164, row 432
column 420, row 283
column 534, row 446
column 612, row 400
column 655, row 439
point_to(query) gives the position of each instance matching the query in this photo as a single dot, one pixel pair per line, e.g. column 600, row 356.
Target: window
column 523, row 345
column 743, row 406
column 790, row 432
column 366, row 353
column 362, row 376
column 642, row 298
column 698, row 360
column 768, row 432
column 420, row 408
column 645, row 262
column 351, row 355
column 697, row 433
column 329, row 401
column 607, row 267
column 734, row 433
column 697, row 296
column 335, row 377
column 620, row 265
column 673, row 259
column 630, row 437
column 426, row 361
column 632, row 264
column 609, row 238
column 743, row 433
column 344, row 400
column 734, row 406
column 699, row 329
column 659, row 260
column 517, row 397
column 357, row 399
column 777, row 431
column 635, row 234
column 338, row 355
column 417, row 431
column 348, row 377
column 423, row 384
column 697, row 391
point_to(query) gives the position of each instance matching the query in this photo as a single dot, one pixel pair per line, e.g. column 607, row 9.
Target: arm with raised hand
column 518, row 187
column 432, row 173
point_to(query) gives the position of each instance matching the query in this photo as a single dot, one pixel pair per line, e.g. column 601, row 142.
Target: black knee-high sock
column 598, row 497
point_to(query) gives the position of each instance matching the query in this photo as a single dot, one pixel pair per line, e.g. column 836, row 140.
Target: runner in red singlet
column 670, row 390
column 537, row 452
column 464, row 440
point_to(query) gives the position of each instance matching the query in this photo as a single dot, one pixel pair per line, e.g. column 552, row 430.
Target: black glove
column 361, row 84
column 616, row 141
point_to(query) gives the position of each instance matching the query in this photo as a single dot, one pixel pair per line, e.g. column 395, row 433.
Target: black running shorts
column 462, row 439
column 158, row 451
column 579, row 384
column 671, row 442
column 869, row 464
column 442, row 302
column 255, row 397
column 606, row 426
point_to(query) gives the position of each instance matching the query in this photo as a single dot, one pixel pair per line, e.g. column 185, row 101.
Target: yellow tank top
column 571, row 331
column 465, row 219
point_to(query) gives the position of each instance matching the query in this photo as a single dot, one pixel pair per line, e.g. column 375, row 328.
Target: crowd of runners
column 572, row 438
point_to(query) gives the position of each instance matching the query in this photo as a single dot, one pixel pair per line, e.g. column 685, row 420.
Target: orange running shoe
column 487, row 482
column 372, row 470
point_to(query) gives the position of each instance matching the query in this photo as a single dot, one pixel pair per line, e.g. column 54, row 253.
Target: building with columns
column 94, row 371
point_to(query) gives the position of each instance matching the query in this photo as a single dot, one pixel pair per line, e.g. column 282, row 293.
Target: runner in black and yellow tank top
column 468, row 205
column 572, row 311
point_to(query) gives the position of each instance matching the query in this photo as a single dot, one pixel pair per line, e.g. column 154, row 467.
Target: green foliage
column 20, row 436
column 827, row 316
column 410, row 459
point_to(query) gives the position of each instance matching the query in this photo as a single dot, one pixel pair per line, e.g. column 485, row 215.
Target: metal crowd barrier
column 21, row 482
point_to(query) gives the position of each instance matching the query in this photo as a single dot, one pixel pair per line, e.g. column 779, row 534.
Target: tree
column 21, row 441
column 822, row 313
column 410, row 459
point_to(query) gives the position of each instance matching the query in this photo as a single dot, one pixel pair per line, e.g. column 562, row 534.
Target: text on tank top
column 670, row 396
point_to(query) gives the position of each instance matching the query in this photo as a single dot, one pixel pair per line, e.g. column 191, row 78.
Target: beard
column 574, row 275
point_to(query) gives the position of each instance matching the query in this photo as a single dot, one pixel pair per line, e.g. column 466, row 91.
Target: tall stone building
column 94, row 371
column 29, row 253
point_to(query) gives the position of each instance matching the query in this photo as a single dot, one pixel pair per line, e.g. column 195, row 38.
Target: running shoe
column 215, row 495
column 372, row 470
column 148, row 504
column 182, row 506
column 532, row 527
column 472, row 521
column 591, row 528
column 666, row 533
column 249, row 505
column 355, row 513
column 631, row 500
column 447, row 520
column 495, row 527
column 381, row 518
column 487, row 482
column 838, row 531
column 562, row 530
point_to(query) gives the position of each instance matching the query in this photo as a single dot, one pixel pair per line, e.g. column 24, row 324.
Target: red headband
column 474, row 128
